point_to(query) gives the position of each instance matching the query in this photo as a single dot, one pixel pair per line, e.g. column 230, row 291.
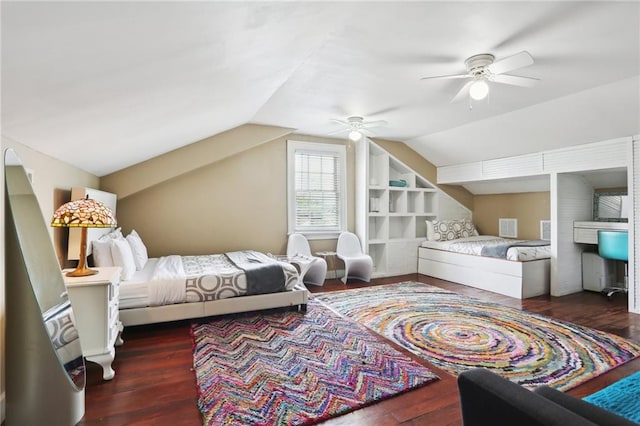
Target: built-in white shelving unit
column 391, row 220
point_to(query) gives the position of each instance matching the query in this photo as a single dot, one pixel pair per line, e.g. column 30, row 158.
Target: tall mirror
column 45, row 370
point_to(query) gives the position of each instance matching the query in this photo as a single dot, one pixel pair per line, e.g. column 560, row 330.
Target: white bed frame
column 149, row 315
column 136, row 316
column 515, row 279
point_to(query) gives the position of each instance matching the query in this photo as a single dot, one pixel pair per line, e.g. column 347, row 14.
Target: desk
column 330, row 258
column 587, row 232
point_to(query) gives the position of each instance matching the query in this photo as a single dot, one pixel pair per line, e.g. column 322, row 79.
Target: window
column 316, row 186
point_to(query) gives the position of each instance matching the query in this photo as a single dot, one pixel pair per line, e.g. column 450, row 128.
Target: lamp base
column 81, row 272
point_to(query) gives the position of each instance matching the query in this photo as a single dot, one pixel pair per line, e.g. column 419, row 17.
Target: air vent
column 508, row 228
column 545, row 230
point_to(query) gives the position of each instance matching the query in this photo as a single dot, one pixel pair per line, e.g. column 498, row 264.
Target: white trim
column 315, row 147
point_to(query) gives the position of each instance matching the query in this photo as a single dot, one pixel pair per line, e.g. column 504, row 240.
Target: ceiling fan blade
column 514, row 80
column 443, row 77
column 510, row 63
column 335, row 120
column 376, row 123
column 463, row 92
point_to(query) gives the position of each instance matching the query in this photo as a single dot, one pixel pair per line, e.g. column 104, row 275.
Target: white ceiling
column 107, row 85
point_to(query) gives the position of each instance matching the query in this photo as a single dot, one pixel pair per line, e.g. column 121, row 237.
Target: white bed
column 204, row 286
column 525, row 272
column 136, row 303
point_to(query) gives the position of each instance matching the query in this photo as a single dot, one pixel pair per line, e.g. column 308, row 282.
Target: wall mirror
column 45, row 369
column 611, row 207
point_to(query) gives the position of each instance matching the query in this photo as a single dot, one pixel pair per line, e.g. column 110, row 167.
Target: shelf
column 401, row 226
column 406, row 240
column 378, row 253
column 395, row 228
column 378, row 226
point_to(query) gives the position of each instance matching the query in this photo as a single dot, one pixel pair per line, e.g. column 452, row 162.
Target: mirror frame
column 45, row 371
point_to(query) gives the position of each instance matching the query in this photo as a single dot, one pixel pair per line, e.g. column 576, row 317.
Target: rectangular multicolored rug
column 294, row 368
column 456, row 333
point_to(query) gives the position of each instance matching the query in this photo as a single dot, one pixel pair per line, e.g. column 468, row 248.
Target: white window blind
column 316, row 187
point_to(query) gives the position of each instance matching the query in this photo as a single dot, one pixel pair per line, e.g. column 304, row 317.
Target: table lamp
column 83, row 214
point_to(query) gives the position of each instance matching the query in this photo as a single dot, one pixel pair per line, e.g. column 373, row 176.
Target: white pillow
column 101, row 250
column 140, row 256
column 114, row 235
column 430, row 231
column 123, row 257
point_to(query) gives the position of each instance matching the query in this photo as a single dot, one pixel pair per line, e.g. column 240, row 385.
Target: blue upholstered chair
column 614, row 245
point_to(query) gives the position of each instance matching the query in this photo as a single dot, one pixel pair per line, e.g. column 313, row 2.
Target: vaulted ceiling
column 104, row 85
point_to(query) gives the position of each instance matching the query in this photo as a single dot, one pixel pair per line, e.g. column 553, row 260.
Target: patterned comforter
column 179, row 279
column 62, row 332
column 474, row 246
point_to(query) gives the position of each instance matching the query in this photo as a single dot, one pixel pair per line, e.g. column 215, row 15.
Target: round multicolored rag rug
column 456, row 333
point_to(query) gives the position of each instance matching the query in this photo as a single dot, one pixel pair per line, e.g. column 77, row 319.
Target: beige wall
column 528, row 207
column 183, row 160
column 52, row 181
column 239, row 202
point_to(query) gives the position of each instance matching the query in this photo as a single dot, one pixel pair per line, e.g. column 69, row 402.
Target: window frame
column 335, row 150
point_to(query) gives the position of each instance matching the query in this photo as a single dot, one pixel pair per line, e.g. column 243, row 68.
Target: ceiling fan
column 483, row 68
column 356, row 126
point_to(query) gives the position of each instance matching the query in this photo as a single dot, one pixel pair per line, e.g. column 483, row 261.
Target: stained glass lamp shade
column 83, row 214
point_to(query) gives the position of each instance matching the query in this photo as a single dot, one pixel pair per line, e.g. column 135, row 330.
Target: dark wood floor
column 155, row 384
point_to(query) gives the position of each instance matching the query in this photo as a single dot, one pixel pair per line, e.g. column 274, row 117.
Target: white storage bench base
column 515, row 279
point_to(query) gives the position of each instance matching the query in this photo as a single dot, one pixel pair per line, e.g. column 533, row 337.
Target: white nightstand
column 94, row 300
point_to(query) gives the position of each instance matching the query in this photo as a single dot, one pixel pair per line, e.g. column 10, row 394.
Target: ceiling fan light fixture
column 479, row 89
column 355, row 135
